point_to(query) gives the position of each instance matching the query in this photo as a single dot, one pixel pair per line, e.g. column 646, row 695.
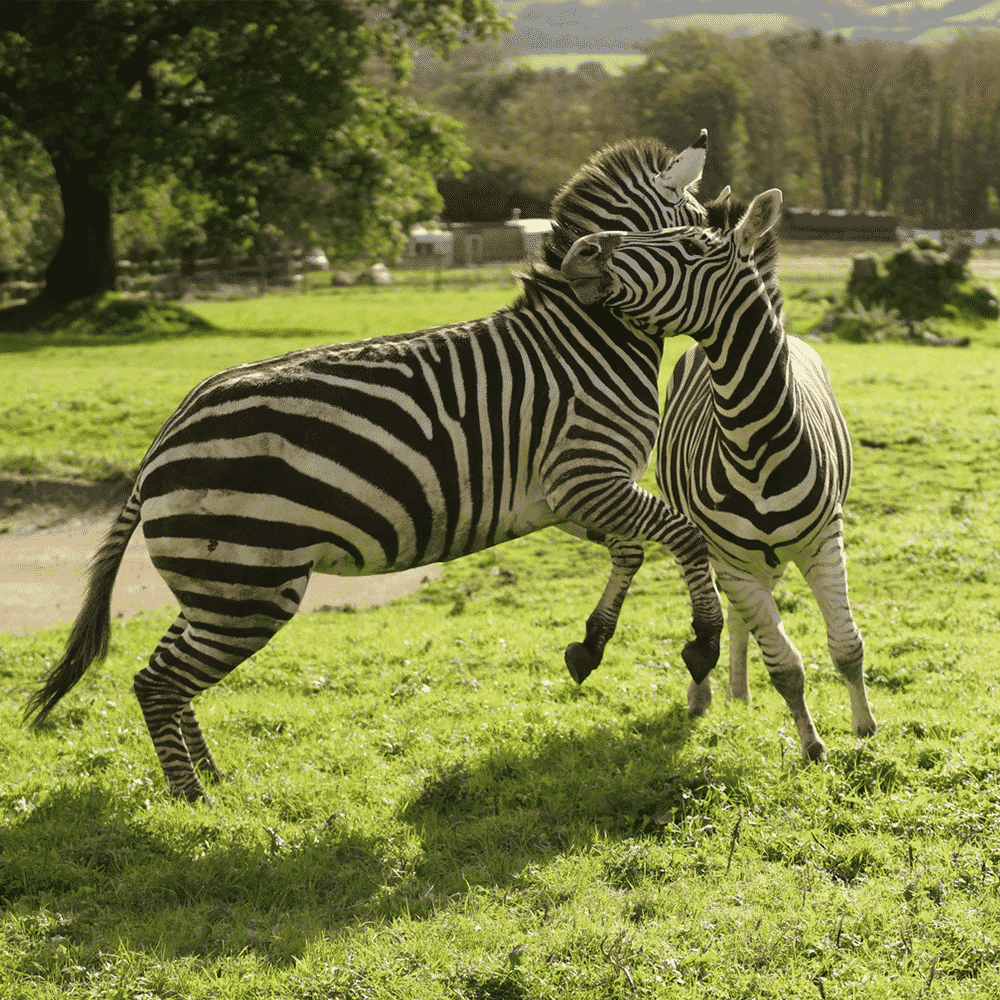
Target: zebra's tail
column 89, row 639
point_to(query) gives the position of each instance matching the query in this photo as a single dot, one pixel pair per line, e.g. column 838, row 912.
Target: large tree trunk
column 85, row 261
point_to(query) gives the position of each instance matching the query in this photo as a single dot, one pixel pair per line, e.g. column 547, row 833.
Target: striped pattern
column 382, row 455
column 752, row 445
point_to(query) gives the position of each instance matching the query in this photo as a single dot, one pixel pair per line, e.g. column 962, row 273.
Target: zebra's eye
column 691, row 247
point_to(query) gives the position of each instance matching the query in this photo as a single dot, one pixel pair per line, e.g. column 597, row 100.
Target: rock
column 935, row 341
column 825, row 325
column 377, row 274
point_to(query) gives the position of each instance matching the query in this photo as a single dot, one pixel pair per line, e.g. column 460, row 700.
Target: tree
column 30, row 217
column 225, row 95
column 529, row 129
column 690, row 80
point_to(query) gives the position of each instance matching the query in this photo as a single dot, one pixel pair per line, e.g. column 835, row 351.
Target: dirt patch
column 50, row 529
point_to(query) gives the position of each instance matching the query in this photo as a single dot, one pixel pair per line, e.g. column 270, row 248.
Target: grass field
column 425, row 805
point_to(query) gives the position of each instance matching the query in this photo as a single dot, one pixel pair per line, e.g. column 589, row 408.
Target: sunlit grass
column 423, row 804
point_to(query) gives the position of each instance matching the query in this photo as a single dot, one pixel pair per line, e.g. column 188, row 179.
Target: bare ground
column 49, row 529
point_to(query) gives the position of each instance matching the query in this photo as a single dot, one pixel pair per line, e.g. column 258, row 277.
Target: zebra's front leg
column 619, row 509
column 582, row 658
column 755, row 604
column 826, row 575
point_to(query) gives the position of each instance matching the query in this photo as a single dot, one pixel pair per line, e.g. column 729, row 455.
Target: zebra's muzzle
column 585, row 266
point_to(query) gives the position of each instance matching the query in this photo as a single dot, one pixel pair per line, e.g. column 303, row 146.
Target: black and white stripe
column 752, row 445
column 381, row 455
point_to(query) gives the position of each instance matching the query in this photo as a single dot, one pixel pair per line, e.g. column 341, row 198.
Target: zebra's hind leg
column 582, row 658
column 191, row 657
column 826, row 575
column 201, row 756
column 739, row 639
column 755, row 604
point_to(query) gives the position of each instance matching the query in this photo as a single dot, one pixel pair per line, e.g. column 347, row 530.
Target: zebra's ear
column 723, row 196
column 763, row 213
column 684, row 170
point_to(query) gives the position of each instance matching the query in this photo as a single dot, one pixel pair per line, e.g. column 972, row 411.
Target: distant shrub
column 871, row 324
column 921, row 280
column 112, row 314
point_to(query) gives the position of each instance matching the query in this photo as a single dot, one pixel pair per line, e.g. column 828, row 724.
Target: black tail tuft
column 92, row 629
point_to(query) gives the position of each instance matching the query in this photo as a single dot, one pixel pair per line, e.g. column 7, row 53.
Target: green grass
column 86, row 405
column 425, row 805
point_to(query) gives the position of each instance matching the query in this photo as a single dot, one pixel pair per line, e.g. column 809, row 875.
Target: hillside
column 611, row 26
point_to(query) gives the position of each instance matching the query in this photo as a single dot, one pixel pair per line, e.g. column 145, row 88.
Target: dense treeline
column 854, row 124
column 859, row 124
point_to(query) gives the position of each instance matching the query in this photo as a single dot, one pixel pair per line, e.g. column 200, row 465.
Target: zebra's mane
column 608, row 188
column 602, row 194
column 609, row 192
column 724, row 215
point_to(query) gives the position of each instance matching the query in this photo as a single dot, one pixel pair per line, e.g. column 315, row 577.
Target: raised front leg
column 826, row 574
column 627, row 514
column 753, row 602
column 582, row 658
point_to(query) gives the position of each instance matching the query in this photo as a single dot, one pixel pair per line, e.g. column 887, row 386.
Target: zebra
column 752, row 445
column 381, row 455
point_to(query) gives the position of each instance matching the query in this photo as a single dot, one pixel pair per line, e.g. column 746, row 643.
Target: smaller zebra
column 752, row 446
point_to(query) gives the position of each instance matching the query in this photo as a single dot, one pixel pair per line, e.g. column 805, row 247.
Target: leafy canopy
column 225, row 95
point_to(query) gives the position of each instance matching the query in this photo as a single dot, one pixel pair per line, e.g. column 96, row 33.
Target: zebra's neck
column 756, row 406
column 546, row 290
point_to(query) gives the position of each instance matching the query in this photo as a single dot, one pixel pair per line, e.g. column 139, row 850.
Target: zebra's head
column 636, row 186
column 676, row 279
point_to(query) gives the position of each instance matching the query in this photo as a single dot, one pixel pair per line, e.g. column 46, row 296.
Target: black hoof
column 700, row 657
column 580, row 662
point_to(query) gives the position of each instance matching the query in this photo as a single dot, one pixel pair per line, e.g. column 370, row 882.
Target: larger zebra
column 385, row 454
column 752, row 445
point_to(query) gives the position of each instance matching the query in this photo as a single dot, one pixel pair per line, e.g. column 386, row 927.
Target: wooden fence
column 168, row 279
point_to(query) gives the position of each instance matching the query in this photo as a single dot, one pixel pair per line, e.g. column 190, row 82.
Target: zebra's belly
column 198, row 528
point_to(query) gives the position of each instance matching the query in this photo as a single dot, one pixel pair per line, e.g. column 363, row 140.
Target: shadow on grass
column 115, row 866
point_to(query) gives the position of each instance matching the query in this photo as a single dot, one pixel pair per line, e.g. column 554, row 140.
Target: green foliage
column 30, row 214
column 524, row 126
column 226, row 97
column 690, row 80
column 914, row 283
